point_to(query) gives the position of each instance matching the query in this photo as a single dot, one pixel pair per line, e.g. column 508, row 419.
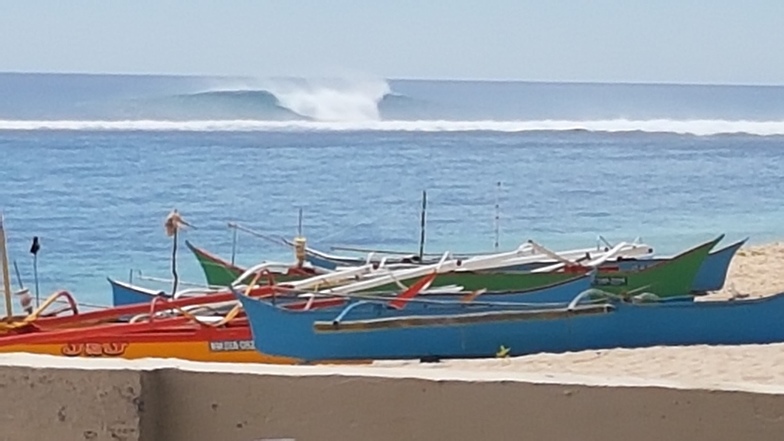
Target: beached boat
column 560, row 289
column 711, row 276
column 665, row 278
column 220, row 272
column 372, row 330
column 184, row 332
column 229, row 343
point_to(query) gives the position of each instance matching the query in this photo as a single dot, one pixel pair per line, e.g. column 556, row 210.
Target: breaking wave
column 327, row 100
column 686, row 127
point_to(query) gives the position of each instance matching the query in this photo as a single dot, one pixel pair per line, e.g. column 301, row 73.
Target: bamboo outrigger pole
column 9, row 312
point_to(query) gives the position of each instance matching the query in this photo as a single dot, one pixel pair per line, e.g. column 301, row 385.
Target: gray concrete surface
column 178, row 405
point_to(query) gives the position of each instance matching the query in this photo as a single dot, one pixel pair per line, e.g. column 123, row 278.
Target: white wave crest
column 328, row 100
column 690, row 127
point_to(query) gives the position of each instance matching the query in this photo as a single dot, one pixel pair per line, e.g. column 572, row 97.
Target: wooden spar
column 233, row 245
column 595, row 262
column 542, row 250
column 312, row 281
column 278, row 241
column 629, row 251
column 6, row 277
column 422, row 226
column 614, row 252
column 444, row 266
column 141, row 276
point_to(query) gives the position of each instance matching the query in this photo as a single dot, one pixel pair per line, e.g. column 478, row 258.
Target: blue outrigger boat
column 129, row 294
column 371, row 330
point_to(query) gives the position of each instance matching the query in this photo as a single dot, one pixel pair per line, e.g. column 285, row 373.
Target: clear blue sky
column 708, row 41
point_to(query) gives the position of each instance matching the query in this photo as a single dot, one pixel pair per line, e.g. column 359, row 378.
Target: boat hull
column 233, row 345
column 127, row 294
column 373, row 332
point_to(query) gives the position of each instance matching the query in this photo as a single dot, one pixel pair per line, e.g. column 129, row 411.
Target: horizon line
column 402, row 78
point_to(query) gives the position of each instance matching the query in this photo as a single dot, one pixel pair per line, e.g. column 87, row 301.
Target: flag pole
column 34, row 250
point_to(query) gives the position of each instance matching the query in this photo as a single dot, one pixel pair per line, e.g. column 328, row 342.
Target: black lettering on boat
column 232, row 346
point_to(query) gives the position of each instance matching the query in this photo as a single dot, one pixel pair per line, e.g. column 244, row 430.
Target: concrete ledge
column 69, row 404
column 46, row 398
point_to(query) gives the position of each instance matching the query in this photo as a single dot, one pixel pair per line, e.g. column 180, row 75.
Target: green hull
column 669, row 278
column 219, row 272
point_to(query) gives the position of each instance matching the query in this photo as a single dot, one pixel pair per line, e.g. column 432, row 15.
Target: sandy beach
column 755, row 272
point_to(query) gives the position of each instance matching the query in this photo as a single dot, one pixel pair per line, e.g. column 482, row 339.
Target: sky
column 668, row 41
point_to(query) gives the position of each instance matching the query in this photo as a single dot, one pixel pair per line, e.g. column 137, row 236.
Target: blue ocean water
column 93, row 163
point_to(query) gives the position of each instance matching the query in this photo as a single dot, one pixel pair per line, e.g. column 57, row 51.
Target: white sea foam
column 692, row 127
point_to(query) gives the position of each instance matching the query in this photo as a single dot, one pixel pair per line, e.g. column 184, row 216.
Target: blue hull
column 713, row 272
column 126, row 294
column 371, row 331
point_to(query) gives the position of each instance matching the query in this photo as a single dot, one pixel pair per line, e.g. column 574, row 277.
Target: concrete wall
column 176, row 405
column 69, row 404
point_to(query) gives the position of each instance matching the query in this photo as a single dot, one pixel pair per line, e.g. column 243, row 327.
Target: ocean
column 92, row 164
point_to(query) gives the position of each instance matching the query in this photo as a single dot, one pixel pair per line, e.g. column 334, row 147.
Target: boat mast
column 300, row 252
column 422, row 227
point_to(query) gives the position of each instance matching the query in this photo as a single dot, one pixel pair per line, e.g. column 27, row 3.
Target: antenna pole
column 233, row 245
column 497, row 214
column 422, row 227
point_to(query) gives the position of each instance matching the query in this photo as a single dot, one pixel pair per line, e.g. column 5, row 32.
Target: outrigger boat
column 665, row 278
column 369, row 329
column 376, row 278
column 220, row 272
column 710, row 277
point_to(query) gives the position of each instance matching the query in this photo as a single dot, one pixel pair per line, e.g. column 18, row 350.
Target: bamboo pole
column 6, row 277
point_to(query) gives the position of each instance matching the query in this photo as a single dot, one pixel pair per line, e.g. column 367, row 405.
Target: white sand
column 755, row 271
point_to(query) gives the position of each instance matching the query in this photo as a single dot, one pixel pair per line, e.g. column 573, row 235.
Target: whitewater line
column 688, row 127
